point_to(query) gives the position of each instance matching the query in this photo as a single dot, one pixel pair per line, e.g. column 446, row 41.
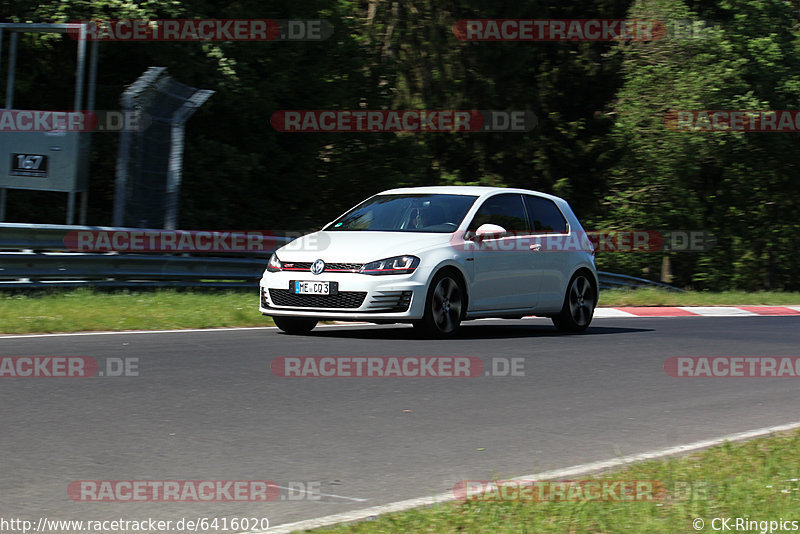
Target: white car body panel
column 498, row 283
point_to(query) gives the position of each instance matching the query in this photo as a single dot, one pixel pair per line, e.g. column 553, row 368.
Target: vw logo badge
column 317, row 267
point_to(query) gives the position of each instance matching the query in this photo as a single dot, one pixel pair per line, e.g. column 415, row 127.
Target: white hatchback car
column 435, row 256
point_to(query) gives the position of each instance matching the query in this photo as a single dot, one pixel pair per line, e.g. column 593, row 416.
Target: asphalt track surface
column 206, row 406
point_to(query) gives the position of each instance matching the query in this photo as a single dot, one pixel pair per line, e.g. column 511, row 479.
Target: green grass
column 758, row 479
column 86, row 309
column 662, row 297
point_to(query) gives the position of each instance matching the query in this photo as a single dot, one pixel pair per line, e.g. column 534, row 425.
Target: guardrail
column 61, row 237
column 621, row 281
column 35, row 256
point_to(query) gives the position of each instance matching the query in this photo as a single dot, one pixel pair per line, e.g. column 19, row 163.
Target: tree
column 721, row 182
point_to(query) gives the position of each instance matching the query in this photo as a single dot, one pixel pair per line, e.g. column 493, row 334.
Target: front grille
column 343, row 266
column 297, row 266
column 344, row 299
column 306, row 266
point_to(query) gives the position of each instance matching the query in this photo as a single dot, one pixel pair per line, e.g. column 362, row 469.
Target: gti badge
column 317, row 267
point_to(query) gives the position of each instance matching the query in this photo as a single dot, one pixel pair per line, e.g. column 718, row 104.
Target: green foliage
column 86, row 310
column 754, row 480
column 738, row 186
column 601, row 139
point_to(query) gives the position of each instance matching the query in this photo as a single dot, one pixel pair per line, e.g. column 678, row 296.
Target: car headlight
column 275, row 265
column 395, row 265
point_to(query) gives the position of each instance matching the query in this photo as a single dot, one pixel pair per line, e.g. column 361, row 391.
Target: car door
column 558, row 247
column 505, row 274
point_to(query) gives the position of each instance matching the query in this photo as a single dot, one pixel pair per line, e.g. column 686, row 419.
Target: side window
column 545, row 216
column 506, row 210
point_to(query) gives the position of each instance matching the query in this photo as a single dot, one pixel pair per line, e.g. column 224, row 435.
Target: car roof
column 473, row 190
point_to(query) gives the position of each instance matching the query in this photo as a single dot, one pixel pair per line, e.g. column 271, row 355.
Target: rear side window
column 506, row 210
column 545, row 216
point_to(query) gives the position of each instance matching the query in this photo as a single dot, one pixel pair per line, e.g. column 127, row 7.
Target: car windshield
column 406, row 213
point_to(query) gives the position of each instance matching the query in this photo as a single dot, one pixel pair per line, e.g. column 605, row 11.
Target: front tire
column 292, row 325
column 443, row 307
column 579, row 304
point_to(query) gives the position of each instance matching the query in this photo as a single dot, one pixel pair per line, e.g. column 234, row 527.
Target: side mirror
column 489, row 231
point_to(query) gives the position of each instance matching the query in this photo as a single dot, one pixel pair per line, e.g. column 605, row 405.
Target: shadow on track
column 467, row 331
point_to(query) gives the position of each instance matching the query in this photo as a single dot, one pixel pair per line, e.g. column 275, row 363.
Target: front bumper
column 359, row 297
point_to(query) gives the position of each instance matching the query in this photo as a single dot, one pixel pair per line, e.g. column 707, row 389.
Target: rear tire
column 579, row 303
column 292, row 325
column 443, row 307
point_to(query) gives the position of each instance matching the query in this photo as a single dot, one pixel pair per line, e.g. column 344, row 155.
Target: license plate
column 311, row 288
